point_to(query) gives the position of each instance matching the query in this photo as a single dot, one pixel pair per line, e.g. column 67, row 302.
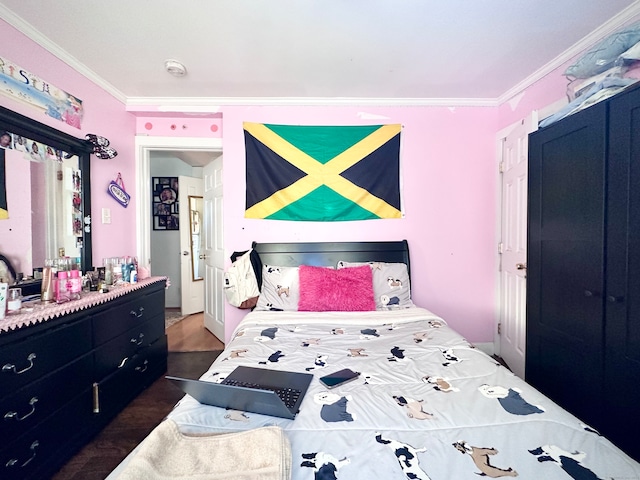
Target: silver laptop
column 250, row 389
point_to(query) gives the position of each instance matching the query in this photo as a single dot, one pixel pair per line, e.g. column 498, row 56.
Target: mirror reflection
column 197, row 248
column 43, row 209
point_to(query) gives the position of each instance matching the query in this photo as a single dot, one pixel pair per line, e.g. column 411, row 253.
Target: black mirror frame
column 33, row 130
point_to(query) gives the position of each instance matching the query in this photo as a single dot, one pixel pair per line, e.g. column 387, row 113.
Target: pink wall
column 104, row 115
column 449, row 175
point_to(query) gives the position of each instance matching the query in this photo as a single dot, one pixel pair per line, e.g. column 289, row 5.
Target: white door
column 192, row 289
column 214, row 249
column 513, row 273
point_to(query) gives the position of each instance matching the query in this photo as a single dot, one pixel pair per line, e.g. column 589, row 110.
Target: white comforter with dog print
column 427, row 404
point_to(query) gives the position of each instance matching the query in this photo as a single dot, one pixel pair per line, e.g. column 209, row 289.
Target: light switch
column 106, row 215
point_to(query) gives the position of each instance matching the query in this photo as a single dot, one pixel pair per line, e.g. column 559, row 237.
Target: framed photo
column 164, row 203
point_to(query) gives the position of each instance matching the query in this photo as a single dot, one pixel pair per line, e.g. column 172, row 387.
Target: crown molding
column 577, row 48
column 27, row 29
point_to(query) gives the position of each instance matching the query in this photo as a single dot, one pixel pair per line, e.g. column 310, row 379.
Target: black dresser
column 62, row 380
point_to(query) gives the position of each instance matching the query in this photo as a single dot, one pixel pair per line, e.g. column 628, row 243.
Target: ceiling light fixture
column 175, row 68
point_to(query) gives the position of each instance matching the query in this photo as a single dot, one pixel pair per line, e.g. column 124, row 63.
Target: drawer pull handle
column 137, row 314
column 139, row 340
column 143, row 368
column 124, row 360
column 9, row 367
column 14, row 461
column 96, row 398
column 14, row 415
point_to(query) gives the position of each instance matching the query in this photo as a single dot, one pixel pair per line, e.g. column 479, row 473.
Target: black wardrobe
column 583, row 277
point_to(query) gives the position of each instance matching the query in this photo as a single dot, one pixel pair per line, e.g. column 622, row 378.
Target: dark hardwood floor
column 192, row 349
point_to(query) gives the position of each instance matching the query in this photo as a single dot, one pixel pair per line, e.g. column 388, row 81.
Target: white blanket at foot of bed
column 168, row 454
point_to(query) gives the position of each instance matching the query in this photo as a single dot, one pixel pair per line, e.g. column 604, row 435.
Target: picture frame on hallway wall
column 164, row 208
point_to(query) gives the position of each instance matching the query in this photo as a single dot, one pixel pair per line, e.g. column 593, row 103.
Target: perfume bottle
column 63, row 293
column 74, row 285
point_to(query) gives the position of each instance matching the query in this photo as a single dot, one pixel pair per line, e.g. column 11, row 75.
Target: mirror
column 45, row 187
column 197, row 249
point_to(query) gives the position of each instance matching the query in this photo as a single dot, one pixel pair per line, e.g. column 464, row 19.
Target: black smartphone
column 339, row 378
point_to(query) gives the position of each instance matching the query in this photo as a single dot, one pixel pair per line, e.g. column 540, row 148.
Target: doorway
column 192, row 148
column 513, row 157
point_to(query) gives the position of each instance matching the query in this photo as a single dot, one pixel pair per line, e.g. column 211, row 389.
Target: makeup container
column 14, row 300
column 3, row 299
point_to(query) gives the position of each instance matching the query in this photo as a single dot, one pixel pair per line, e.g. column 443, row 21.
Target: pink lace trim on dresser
column 46, row 311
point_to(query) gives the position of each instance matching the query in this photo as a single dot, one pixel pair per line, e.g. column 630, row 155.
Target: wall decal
column 19, row 84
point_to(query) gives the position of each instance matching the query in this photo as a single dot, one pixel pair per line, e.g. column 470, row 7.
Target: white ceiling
column 306, row 50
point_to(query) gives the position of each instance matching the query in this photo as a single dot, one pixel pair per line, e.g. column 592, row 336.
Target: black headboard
column 330, row 253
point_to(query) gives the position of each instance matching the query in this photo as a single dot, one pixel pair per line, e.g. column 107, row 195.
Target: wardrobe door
column 565, row 265
column 622, row 365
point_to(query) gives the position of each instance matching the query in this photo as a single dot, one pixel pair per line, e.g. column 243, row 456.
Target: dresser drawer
column 126, row 313
column 117, row 352
column 30, row 405
column 42, row 450
column 27, row 360
column 116, row 390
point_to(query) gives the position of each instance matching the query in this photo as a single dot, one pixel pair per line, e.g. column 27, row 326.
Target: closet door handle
column 591, row 293
column 615, row 299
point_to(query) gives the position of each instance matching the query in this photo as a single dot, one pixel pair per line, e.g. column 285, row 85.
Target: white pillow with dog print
column 280, row 288
column 390, row 284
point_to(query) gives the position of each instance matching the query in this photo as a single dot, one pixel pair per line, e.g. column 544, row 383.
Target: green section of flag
column 322, row 205
column 323, row 142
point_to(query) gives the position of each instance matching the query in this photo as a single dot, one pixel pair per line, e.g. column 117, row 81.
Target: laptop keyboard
column 289, row 396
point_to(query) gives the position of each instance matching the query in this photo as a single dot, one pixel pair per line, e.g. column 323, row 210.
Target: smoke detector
column 175, row 68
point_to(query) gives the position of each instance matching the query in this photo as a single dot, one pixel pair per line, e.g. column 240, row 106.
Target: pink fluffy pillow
column 325, row 289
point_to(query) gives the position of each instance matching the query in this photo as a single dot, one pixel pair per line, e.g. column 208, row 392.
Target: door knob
column 521, row 266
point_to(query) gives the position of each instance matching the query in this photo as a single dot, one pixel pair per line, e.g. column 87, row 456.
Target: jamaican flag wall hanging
column 322, row 173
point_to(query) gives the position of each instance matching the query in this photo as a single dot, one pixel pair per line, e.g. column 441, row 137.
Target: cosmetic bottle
column 117, row 270
column 14, row 300
column 74, row 285
column 108, row 271
column 63, row 293
column 3, row 299
column 49, row 281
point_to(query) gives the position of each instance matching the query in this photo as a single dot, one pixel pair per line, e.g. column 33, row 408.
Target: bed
column 427, row 405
